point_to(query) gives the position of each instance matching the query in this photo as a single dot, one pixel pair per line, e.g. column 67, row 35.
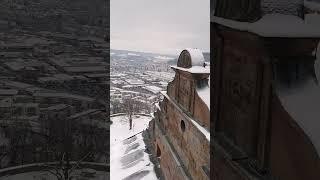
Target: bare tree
column 129, row 108
column 63, row 170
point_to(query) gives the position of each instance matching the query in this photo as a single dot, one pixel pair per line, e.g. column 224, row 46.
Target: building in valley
column 180, row 128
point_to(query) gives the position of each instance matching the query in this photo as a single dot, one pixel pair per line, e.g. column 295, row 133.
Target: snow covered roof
column 194, row 69
column 312, row 5
column 204, row 94
column 274, row 25
column 192, row 61
column 190, row 57
column 9, row 92
column 63, row 95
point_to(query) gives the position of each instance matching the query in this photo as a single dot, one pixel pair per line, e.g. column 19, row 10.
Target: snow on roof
column 57, row 107
column 134, row 81
column 312, row 5
column 63, row 77
column 194, row 69
column 153, row 89
column 63, row 95
column 18, row 85
column 97, row 75
column 8, row 92
column 204, row 94
column 274, row 25
column 46, row 79
column 83, row 113
column 85, row 69
column 303, row 103
column 203, row 130
column 196, row 57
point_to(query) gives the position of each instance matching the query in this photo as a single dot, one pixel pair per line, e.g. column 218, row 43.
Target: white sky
column 160, row 26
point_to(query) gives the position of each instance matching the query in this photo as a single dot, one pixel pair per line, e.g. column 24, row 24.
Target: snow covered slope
column 128, row 159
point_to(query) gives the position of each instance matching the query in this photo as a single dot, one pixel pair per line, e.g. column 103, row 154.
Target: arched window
column 182, row 125
column 158, row 151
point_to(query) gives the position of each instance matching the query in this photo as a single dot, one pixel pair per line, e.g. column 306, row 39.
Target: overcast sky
column 161, row 26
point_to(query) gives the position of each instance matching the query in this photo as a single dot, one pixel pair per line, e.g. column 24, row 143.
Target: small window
column 182, row 125
column 158, row 151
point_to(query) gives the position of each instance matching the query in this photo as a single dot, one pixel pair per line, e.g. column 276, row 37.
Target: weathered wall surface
column 183, row 149
column 169, row 165
column 183, row 90
column 255, row 137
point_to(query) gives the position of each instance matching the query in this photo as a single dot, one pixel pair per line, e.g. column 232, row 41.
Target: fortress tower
column 180, row 128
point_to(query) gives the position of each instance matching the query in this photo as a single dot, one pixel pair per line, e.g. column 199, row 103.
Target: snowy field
column 128, row 159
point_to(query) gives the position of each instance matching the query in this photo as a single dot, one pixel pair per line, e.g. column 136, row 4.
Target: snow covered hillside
column 128, row 158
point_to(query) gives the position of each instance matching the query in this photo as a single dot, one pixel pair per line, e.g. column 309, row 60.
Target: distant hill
column 135, row 55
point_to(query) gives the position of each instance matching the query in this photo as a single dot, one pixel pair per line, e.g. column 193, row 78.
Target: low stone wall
column 123, row 114
column 40, row 166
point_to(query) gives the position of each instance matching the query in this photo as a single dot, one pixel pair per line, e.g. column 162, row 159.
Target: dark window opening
column 183, row 126
column 158, row 152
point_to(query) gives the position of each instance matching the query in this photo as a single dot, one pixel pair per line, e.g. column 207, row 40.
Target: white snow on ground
column 128, row 158
column 274, row 25
column 303, row 103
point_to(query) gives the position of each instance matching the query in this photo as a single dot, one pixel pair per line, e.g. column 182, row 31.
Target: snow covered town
column 148, row 82
column 53, row 90
column 138, row 77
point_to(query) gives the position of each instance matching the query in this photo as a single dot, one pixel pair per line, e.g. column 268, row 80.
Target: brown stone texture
column 254, row 136
column 183, row 150
column 183, row 90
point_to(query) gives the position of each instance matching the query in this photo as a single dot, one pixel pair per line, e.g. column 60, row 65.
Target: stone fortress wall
column 180, row 128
